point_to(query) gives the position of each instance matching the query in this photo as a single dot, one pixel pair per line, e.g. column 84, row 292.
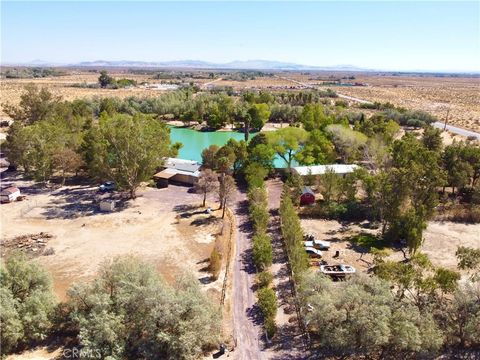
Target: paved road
column 457, row 130
column 246, row 316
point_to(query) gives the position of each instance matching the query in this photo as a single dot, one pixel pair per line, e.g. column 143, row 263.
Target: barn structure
column 307, row 197
column 9, row 194
column 179, row 171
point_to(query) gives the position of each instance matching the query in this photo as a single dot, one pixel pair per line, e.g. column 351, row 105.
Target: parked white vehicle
column 312, row 252
column 318, row 244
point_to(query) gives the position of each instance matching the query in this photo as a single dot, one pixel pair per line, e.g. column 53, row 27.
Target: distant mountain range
column 198, row 64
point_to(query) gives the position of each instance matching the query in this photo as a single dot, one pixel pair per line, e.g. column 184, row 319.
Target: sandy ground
column 441, row 240
column 165, row 227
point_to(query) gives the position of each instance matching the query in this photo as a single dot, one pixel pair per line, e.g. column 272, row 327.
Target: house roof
column 182, row 165
column 168, row 173
column 10, row 190
column 322, row 169
column 307, row 190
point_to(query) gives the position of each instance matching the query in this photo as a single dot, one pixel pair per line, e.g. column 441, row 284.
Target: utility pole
column 446, row 119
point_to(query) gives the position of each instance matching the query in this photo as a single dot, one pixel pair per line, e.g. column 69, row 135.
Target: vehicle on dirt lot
column 317, row 244
column 312, row 252
column 107, row 186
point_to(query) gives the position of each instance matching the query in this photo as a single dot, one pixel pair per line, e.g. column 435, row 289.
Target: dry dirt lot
column 441, row 242
column 434, row 94
column 163, row 226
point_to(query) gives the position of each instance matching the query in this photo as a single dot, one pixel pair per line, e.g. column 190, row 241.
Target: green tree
column 259, row 115
column 361, row 317
column 35, row 105
column 432, row 138
column 105, row 80
column 348, row 143
column 267, row 301
column 27, row 302
column 209, row 158
column 262, row 251
column 129, row 149
column 317, row 150
column 287, row 142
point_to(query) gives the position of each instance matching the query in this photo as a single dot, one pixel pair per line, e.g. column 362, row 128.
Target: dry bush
column 215, row 263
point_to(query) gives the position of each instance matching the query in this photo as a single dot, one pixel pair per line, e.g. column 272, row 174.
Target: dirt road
column 246, row 315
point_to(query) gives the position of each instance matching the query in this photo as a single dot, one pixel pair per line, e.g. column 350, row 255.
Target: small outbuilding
column 9, row 194
column 107, row 205
column 307, row 197
column 178, row 171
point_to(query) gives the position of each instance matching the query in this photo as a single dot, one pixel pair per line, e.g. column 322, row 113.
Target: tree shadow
column 205, row 221
column 81, row 202
column 254, row 314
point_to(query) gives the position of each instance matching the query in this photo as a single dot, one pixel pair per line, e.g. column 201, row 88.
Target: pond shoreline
column 269, row 126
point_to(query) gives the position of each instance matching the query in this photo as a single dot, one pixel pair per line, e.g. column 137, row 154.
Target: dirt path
column 287, row 343
column 246, row 315
column 204, row 86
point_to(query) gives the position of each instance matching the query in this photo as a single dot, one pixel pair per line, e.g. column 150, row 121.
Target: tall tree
column 226, row 192
column 287, row 142
column 129, row 149
column 207, row 183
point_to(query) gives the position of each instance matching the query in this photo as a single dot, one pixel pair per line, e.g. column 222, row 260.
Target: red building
column 307, row 197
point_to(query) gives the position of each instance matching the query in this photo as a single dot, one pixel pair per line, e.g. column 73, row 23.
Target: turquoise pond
column 195, row 141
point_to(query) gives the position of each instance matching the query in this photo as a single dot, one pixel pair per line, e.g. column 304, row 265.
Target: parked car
column 317, row 244
column 312, row 252
column 337, row 270
column 107, row 186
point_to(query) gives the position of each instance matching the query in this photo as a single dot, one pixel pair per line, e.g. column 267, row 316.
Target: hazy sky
column 383, row 35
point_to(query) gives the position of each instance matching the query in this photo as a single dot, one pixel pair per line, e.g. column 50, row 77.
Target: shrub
column 262, row 251
column 267, row 301
column 215, row 263
column 270, row 326
column 259, row 216
column 26, row 302
column 264, row 279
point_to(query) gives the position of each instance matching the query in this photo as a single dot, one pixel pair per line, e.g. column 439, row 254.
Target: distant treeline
column 30, row 72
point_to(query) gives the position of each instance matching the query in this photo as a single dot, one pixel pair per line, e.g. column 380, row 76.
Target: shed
column 9, row 194
column 178, row 170
column 107, row 205
column 307, row 197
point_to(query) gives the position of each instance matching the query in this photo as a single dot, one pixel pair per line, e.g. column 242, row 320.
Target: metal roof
column 184, row 166
column 322, row 169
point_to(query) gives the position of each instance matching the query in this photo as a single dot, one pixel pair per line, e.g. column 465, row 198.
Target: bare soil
column 441, row 240
column 166, row 227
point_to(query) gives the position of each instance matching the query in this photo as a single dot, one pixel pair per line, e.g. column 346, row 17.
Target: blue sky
column 381, row 35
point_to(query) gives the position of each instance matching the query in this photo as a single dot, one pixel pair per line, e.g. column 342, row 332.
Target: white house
column 9, row 194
